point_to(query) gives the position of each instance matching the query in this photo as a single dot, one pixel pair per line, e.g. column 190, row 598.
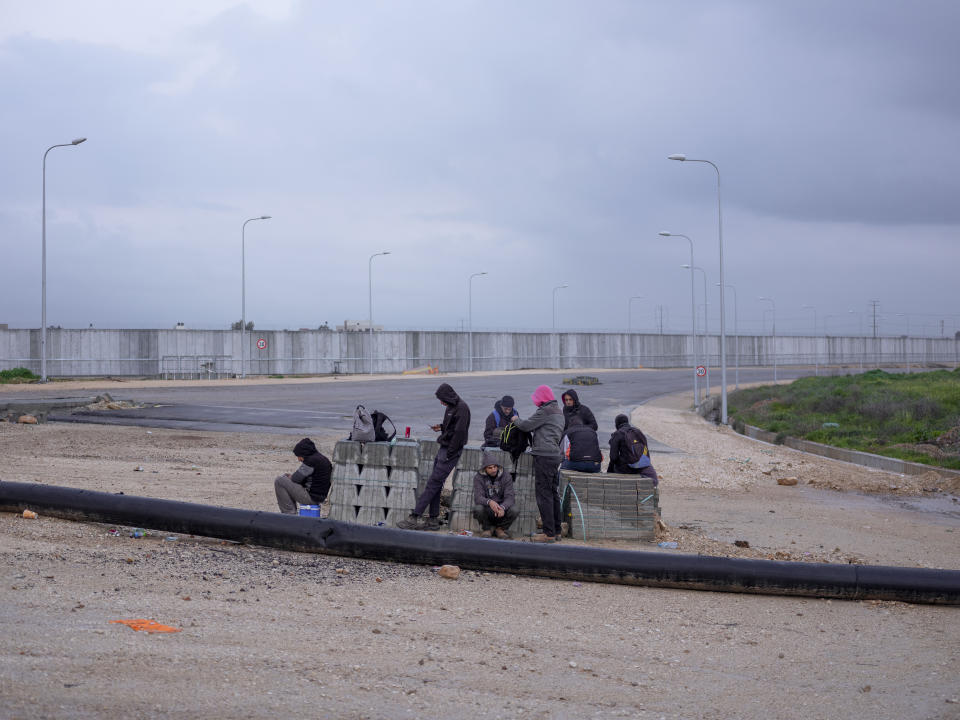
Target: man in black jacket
column 309, row 485
column 503, row 413
column 453, row 436
column 582, row 448
column 572, row 408
column 619, row 462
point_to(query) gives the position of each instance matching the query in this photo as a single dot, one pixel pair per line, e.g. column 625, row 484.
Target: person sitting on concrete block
column 503, row 413
column 581, row 448
column 629, row 454
column 309, row 485
column 453, row 436
column 494, row 501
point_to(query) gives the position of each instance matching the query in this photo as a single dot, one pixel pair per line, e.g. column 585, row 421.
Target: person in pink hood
column 546, row 424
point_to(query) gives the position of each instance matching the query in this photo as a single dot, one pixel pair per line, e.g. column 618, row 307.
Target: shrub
column 18, row 374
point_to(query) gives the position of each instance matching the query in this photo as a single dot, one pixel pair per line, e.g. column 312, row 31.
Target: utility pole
column 873, row 305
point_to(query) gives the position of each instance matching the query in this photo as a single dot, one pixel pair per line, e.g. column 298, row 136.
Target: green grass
column 877, row 412
column 17, row 375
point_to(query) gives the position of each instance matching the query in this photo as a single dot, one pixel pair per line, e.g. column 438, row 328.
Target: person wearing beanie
column 629, row 453
column 494, row 503
column 503, row 412
column 572, row 408
column 453, row 436
column 309, row 485
column 546, row 424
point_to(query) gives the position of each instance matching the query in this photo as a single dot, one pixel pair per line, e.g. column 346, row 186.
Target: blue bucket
column 308, row 510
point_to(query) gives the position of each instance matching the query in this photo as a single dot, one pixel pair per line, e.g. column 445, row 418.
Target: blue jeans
column 587, row 466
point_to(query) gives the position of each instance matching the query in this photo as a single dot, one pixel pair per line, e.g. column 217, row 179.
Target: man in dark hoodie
column 625, row 444
column 453, row 436
column 493, row 498
column 309, row 485
column 573, row 408
column 546, row 424
column 582, row 448
column 503, row 413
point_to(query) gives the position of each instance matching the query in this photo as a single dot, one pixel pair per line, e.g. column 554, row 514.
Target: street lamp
column 816, row 355
column 736, row 335
column 630, row 310
column 774, row 327
column 558, row 287
column 370, row 299
column 693, row 315
column 706, row 328
column 43, row 262
column 470, row 315
column 723, row 326
column 243, row 293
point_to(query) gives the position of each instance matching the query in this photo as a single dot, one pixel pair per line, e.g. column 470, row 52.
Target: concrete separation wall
column 217, row 353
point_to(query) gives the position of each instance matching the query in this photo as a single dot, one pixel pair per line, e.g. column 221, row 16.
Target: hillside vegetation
column 913, row 417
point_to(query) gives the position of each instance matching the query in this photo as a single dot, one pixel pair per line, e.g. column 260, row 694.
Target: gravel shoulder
column 265, row 633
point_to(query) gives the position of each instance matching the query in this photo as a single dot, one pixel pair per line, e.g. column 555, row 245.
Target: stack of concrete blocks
column 373, row 482
column 523, row 486
column 619, row 507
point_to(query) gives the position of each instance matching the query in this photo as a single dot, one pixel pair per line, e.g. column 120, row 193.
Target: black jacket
column 577, row 409
column 491, row 431
column 315, row 472
column 456, row 421
column 617, row 440
column 584, row 445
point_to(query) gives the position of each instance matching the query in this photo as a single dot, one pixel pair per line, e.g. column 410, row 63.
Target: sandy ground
column 270, row 634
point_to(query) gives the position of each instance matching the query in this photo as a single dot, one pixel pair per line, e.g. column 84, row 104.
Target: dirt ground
column 268, row 634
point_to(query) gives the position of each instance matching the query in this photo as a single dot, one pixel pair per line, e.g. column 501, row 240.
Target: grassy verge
column 912, row 417
column 17, row 375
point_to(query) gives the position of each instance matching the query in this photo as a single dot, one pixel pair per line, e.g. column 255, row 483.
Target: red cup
column 407, row 433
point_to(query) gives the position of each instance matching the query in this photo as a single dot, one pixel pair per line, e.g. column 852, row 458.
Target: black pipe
column 303, row 534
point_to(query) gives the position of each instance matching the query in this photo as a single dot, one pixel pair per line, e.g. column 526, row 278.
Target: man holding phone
column 453, row 436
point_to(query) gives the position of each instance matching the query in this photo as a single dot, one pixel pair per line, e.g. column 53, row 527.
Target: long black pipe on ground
column 303, row 534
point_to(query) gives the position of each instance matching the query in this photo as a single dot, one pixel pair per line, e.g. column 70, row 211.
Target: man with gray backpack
column 629, row 454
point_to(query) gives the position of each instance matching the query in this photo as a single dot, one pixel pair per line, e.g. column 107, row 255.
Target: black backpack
column 379, row 434
column 634, row 446
column 514, row 440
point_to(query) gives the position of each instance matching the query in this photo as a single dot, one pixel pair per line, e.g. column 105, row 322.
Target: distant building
column 349, row 326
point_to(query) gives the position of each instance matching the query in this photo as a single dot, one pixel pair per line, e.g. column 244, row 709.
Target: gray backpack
column 362, row 426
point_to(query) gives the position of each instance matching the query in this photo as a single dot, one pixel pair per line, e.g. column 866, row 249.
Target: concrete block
column 428, row 449
column 374, row 453
column 400, row 498
column 346, row 451
column 404, row 477
column 377, row 474
column 405, row 454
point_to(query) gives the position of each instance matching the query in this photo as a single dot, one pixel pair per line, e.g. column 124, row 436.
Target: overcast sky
column 525, row 139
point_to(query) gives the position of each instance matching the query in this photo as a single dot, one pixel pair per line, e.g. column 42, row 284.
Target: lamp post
column 370, row 301
column 693, row 315
column 816, row 355
column 243, row 293
column 774, row 328
column 43, row 261
column 470, row 316
column 706, row 328
column 630, row 310
column 723, row 326
column 558, row 287
column 736, row 335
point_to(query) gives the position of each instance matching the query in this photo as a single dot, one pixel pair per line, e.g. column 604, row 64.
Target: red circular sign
column 261, row 344
column 701, row 371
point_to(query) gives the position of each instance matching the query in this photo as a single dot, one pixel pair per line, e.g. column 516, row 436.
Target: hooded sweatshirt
column 314, row 473
column 618, row 443
column 584, row 445
column 577, row 410
column 546, row 424
column 456, row 421
column 499, row 488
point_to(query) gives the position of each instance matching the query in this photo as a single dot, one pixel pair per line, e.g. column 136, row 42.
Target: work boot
column 412, row 522
column 541, row 538
column 430, row 523
column 501, row 534
column 486, row 534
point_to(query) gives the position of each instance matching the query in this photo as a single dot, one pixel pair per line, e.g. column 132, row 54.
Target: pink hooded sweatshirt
column 542, row 395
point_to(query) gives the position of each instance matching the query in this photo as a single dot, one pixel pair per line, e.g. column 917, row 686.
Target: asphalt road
column 305, row 409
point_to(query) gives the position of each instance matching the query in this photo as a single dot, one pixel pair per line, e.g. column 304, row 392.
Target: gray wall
column 199, row 353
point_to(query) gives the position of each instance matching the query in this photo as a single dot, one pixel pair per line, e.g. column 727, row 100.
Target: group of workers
column 560, row 438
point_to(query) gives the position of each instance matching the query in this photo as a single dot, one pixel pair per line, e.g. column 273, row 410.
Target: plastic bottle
column 672, row 544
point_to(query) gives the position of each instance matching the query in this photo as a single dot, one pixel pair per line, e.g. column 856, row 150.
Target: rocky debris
column 27, row 420
column 787, row 481
column 450, row 572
